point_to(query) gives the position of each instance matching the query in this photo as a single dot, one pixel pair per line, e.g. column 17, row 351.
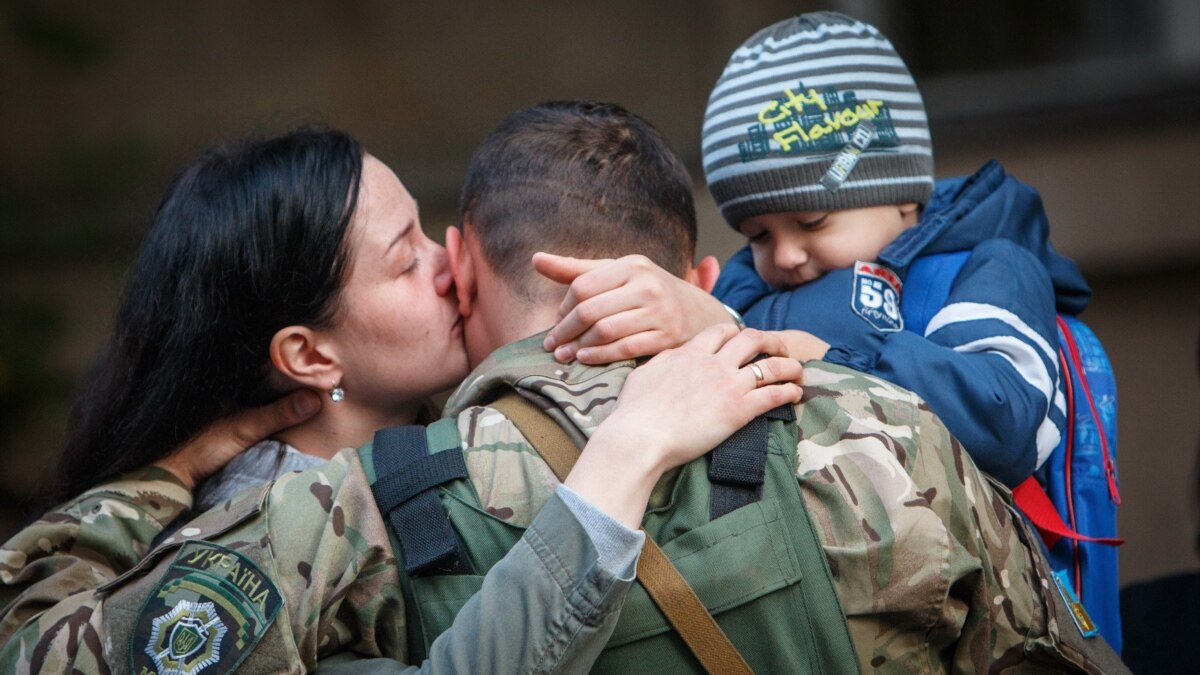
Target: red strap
column 1036, row 505
column 1110, row 470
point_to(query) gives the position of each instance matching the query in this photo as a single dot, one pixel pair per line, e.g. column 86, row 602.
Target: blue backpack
column 1073, row 498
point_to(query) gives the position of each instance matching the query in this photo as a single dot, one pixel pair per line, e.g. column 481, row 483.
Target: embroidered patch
column 209, row 609
column 1087, row 628
column 805, row 121
column 847, row 159
column 876, row 296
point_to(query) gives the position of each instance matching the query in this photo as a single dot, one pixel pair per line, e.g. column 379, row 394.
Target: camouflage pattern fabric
column 934, row 572
column 86, row 542
column 320, row 541
column 933, row 568
column 328, row 555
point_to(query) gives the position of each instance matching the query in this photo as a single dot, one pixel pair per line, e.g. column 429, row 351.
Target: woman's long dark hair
column 249, row 238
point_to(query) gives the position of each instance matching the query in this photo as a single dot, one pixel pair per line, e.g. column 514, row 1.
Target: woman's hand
column 225, row 439
column 678, row 406
column 624, row 308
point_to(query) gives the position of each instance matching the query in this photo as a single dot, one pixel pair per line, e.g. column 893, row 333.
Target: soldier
column 917, row 565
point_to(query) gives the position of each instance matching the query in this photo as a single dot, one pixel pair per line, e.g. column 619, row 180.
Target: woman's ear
column 300, row 355
column 462, row 267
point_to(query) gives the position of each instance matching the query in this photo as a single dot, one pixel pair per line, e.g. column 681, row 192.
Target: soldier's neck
column 501, row 318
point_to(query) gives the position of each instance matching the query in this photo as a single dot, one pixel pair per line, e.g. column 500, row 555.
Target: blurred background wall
column 1093, row 103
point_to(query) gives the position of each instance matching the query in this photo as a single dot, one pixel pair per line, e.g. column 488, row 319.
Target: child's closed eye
column 812, row 224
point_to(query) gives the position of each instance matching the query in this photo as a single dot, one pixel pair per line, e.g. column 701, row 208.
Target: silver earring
column 337, row 393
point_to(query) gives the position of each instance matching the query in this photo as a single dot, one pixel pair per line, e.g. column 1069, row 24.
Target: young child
column 817, row 148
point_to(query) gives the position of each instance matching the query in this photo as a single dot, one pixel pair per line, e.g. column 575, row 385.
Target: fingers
column 563, row 269
column 223, row 440
column 713, row 339
column 251, row 426
column 772, row 396
column 745, row 345
column 780, row 384
column 645, row 343
column 596, row 321
column 778, row 369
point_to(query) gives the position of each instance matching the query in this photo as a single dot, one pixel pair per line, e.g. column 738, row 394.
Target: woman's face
column 397, row 329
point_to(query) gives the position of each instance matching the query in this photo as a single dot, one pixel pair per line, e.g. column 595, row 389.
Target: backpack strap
column 405, row 489
column 662, row 581
column 1031, row 498
column 739, row 463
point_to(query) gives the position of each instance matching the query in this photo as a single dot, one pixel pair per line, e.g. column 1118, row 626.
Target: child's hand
column 624, row 308
column 802, row 345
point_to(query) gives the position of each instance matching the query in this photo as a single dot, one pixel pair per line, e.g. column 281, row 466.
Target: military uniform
column 931, row 568
column 327, row 561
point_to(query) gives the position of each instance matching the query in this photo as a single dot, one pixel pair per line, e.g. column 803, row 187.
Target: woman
column 252, row 262
column 297, row 262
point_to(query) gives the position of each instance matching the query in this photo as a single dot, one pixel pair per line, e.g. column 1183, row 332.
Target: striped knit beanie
column 815, row 113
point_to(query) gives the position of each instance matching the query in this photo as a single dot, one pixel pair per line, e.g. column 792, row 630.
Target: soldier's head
column 574, row 178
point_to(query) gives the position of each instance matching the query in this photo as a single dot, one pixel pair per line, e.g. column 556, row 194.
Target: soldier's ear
column 705, row 273
column 306, row 357
column 462, row 268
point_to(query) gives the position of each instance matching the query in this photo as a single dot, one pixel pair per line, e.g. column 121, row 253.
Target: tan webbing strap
column 662, row 581
column 551, row 442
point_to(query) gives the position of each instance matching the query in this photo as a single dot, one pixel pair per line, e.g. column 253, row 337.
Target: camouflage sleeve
column 278, row 578
column 85, row 542
column 548, row 606
column 267, row 582
column 934, row 570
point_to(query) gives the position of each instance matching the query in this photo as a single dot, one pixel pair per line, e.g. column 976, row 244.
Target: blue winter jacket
column 987, row 362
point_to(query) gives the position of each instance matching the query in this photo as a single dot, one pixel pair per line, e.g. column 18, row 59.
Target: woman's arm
column 324, row 549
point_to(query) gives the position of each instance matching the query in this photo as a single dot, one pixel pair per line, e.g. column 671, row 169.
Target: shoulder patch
column 209, row 609
column 876, row 296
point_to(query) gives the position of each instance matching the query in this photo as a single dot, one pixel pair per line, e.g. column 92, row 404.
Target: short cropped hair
column 577, row 178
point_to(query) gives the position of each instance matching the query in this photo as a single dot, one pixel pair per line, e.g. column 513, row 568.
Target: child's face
column 797, row 247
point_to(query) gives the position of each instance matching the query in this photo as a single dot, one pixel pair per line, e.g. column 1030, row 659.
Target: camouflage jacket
column 933, row 568
column 302, row 570
column 934, row 572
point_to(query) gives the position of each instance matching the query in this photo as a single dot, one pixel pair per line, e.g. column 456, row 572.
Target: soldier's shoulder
column 859, row 393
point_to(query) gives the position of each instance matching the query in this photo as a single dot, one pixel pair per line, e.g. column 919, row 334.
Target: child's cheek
column 764, row 264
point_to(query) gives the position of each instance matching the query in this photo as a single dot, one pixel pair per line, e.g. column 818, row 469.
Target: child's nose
column 790, row 256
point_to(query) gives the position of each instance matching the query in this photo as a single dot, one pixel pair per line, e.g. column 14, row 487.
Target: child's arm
column 987, row 364
column 629, row 307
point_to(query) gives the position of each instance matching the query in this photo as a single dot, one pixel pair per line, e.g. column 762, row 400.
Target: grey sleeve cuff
column 617, row 546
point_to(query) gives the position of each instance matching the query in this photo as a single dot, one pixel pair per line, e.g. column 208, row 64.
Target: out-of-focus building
column 1093, row 103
